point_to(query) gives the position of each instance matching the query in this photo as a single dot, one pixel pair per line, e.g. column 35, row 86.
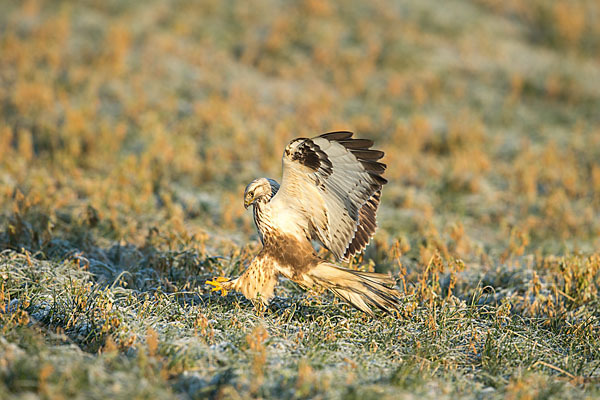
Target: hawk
column 329, row 192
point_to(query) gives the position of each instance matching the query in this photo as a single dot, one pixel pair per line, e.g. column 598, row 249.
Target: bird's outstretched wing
column 336, row 183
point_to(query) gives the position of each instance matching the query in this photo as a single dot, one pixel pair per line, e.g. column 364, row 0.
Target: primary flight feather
column 330, row 193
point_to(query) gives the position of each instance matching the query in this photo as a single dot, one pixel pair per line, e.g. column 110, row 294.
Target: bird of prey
column 329, row 192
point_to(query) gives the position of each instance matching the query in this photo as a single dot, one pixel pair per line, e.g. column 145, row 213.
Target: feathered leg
column 257, row 283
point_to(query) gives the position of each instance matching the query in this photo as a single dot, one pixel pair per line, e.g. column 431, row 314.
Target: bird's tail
column 362, row 290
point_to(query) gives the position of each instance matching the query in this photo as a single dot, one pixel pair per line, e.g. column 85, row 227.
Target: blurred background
column 129, row 129
column 142, row 119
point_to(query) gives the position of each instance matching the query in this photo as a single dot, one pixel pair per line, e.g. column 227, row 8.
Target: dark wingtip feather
column 337, row 135
column 360, row 148
column 380, row 179
column 357, row 143
column 368, row 154
column 373, row 166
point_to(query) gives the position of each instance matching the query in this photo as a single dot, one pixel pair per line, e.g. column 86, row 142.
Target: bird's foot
column 218, row 285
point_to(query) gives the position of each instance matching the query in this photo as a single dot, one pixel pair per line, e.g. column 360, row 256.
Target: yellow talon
column 216, row 282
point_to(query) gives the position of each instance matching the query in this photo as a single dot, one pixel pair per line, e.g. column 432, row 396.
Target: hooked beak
column 247, row 203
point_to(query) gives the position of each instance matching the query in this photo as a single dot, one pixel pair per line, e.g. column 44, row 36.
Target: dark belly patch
column 290, row 252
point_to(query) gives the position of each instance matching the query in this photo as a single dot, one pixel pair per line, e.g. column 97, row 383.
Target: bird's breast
column 285, row 220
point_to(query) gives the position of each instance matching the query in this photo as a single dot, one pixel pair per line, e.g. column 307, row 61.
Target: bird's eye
column 250, row 194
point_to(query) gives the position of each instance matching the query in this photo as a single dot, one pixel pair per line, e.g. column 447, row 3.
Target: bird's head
column 261, row 189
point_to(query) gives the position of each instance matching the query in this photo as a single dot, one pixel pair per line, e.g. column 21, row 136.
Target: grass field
column 129, row 129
